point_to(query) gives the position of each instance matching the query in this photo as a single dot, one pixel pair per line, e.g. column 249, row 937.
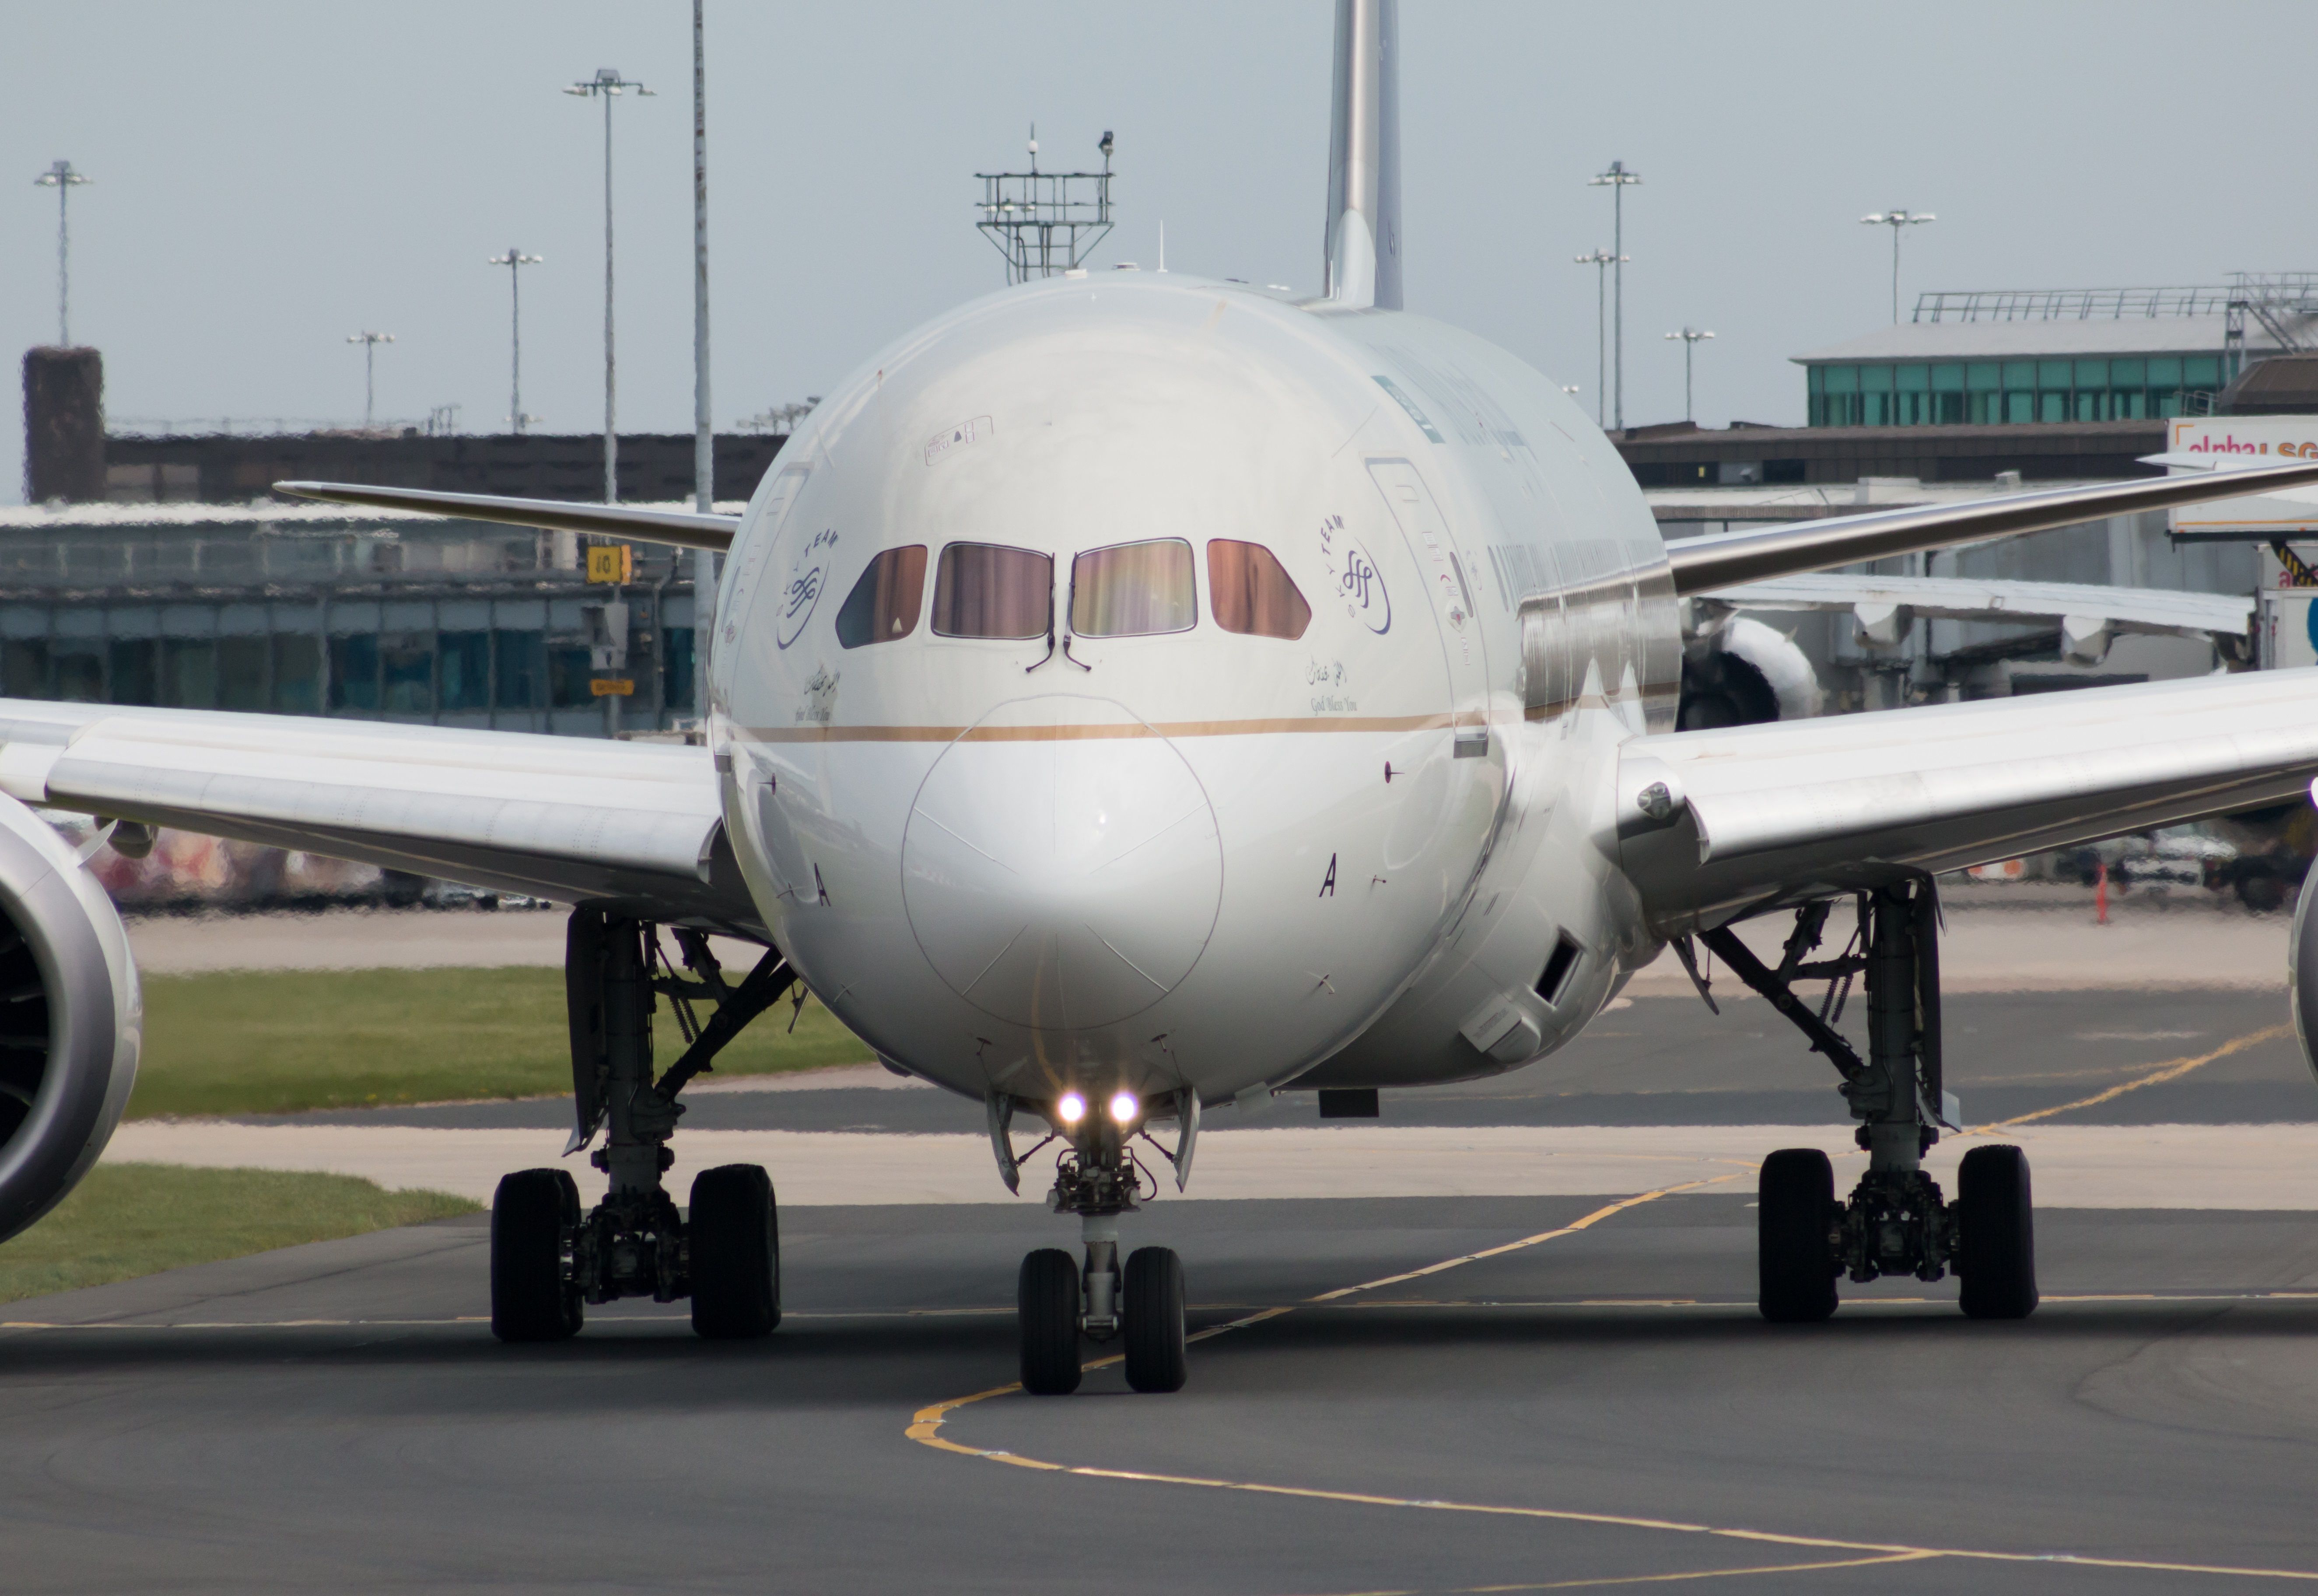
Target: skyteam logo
column 1359, row 584
column 801, row 594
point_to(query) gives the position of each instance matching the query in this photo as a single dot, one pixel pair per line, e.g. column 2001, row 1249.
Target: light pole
column 1690, row 338
column 1618, row 180
column 704, row 458
column 1898, row 221
column 515, row 260
column 1601, row 260
column 61, row 177
column 608, row 86
column 369, row 343
column 703, row 436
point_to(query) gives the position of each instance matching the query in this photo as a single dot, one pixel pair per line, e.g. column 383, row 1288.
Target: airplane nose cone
column 1061, row 866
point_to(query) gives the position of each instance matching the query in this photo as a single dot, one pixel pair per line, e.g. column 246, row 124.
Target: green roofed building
column 2013, row 357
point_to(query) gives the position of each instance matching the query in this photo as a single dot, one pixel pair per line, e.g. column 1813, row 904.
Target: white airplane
column 1133, row 693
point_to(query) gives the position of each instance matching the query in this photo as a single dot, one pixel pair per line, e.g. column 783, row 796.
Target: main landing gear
column 1897, row 1220
column 548, row 1258
column 1058, row 1301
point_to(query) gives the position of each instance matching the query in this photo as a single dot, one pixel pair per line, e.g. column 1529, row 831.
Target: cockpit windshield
column 1133, row 589
column 884, row 603
column 1251, row 592
column 985, row 591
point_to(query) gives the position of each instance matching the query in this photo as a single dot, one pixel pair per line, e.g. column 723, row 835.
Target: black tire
column 531, row 1299
column 1795, row 1197
column 2262, row 892
column 1154, row 1320
column 1047, row 1299
column 736, row 1254
column 1996, row 1235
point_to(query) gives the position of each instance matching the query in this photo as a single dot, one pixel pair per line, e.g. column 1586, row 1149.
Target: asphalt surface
column 1666, row 1060
column 1599, row 1406
column 1593, row 1402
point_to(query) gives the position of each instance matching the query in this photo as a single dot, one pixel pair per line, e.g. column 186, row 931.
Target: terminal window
column 1985, row 393
column 467, row 675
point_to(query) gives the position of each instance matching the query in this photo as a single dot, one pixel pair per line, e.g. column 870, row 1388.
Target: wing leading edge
column 1713, row 825
column 567, row 818
column 684, row 528
column 1722, row 560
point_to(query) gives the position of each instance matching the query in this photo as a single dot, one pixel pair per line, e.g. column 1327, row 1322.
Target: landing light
column 1070, row 1108
column 1124, row 1107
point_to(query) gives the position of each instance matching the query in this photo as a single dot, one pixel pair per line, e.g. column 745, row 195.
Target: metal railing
column 2072, row 304
column 1043, row 223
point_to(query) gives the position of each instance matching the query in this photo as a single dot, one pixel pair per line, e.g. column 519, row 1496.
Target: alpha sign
column 2267, row 440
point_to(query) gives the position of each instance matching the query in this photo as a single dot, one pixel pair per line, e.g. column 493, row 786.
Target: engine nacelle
column 2302, row 976
column 1738, row 672
column 70, row 1018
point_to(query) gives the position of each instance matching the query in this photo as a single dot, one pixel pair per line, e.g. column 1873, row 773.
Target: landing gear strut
column 547, row 1258
column 1896, row 1221
column 1058, row 1301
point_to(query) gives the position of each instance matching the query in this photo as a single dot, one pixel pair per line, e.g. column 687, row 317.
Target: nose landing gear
column 1056, row 1301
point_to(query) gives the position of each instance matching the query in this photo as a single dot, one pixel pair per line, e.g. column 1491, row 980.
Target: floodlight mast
column 61, row 177
column 608, row 86
column 1898, row 221
column 369, row 343
column 1601, row 261
column 1618, row 180
column 704, row 433
column 1690, row 338
column 1047, row 223
column 515, row 260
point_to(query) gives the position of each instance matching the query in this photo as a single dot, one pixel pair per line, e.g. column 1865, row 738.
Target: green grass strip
column 127, row 1220
column 277, row 1041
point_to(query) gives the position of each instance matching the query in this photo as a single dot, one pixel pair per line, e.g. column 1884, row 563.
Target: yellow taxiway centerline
column 926, row 1427
column 2172, row 1069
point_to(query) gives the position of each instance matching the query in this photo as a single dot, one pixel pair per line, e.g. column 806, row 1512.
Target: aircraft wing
column 1720, row 560
column 569, row 819
column 684, row 528
column 1713, row 825
column 1971, row 599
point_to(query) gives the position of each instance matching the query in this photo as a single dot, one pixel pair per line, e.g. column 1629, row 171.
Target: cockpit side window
column 1251, row 592
column 884, row 603
column 1133, row 589
column 987, row 590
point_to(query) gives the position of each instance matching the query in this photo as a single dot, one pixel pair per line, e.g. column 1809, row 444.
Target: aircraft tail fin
column 1363, row 268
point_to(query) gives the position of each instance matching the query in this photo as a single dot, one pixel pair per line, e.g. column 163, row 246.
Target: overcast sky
column 270, row 178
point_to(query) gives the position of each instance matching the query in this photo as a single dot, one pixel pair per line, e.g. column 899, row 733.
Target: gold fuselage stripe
column 1123, row 728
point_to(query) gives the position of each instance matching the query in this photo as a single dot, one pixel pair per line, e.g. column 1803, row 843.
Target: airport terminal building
column 313, row 609
column 2010, row 359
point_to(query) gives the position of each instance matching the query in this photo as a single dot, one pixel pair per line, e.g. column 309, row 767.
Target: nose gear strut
column 1058, row 1300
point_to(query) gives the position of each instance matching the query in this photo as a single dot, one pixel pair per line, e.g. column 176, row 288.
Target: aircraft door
column 1426, row 533
column 740, row 586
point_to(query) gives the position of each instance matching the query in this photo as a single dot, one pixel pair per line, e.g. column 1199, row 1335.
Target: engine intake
column 70, row 1018
column 1736, row 671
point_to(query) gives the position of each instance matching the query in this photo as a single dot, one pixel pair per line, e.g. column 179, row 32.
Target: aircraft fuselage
column 1132, row 680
